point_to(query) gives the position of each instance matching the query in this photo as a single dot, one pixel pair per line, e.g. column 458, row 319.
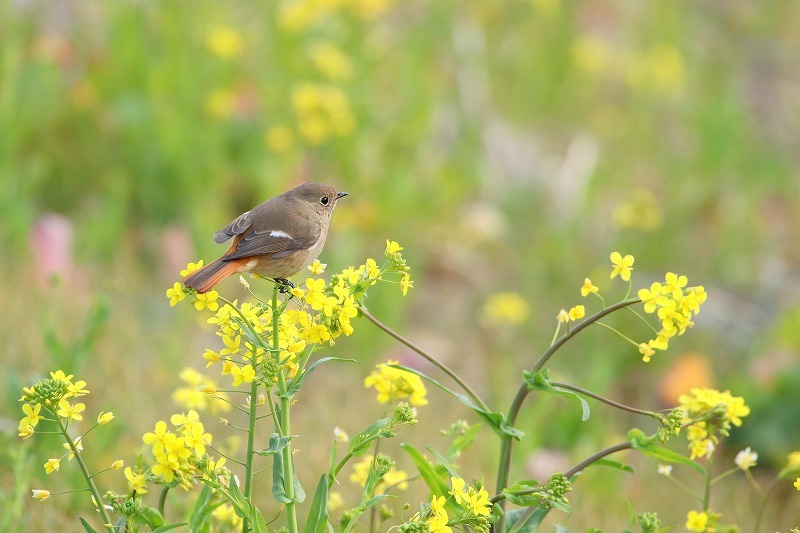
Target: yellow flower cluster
column 55, row 394
column 505, row 308
column 324, row 313
column 198, row 392
column 301, row 15
column 394, row 384
column 322, row 111
column 674, row 304
column 475, row 501
column 710, row 413
column 174, row 449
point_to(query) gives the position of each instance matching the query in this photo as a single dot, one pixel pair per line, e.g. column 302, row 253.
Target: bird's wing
column 237, row 227
column 277, row 243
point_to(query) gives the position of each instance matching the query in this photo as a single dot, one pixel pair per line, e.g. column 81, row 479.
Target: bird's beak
column 341, row 195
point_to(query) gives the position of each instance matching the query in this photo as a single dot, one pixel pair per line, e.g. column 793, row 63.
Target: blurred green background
column 507, row 145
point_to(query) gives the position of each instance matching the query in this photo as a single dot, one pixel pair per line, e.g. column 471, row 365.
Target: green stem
column 162, row 500
column 506, row 446
column 288, row 464
column 762, row 504
column 86, row 475
column 626, row 445
column 707, row 491
column 605, row 400
column 251, row 432
column 425, row 355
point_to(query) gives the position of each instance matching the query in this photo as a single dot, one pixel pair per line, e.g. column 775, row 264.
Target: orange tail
column 203, row 280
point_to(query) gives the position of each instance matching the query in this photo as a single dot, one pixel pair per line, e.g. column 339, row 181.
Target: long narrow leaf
column 426, row 470
column 317, row 521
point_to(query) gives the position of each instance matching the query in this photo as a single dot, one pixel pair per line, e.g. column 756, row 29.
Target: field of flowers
column 620, row 175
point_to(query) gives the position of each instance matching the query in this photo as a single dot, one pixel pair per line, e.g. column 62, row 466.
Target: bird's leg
column 285, row 284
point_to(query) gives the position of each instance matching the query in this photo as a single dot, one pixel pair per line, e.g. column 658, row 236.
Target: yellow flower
column 225, row 42
column 664, row 470
column 505, row 308
column 118, row 464
column 40, row 494
column 331, row 61
column 577, row 312
column 78, row 445
column 652, row 298
column 393, row 478
column 406, row 283
column 622, row 266
column 437, row 520
column 562, row 316
column 674, row 284
column 459, row 492
column 746, row 459
column 794, row 459
column 70, row 411
column 136, row 481
column 75, row 390
column 207, row 301
column 588, row 287
column 191, row 267
column 175, row 294
column 392, row 247
column 394, row 384
column 52, row 465
column 696, row 521
column 647, row 351
column 104, row 418
column 797, row 484
column 316, row 267
column 157, row 438
column 32, row 415
column 479, row 502
column 244, row 374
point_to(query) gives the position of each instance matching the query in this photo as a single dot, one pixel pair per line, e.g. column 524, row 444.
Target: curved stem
column 506, row 447
column 569, row 473
column 762, row 504
column 162, row 500
column 605, row 400
column 425, row 355
column 86, row 475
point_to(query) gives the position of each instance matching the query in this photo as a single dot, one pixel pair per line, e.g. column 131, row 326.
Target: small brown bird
column 276, row 239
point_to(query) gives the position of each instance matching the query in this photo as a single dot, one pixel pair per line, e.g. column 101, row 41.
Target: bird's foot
column 285, row 285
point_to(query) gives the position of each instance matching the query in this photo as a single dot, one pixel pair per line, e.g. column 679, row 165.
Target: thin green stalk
column 605, row 400
column 162, row 500
column 762, row 504
column 506, row 445
column 707, row 491
column 288, row 464
column 425, row 355
column 569, row 473
column 251, row 432
column 86, row 475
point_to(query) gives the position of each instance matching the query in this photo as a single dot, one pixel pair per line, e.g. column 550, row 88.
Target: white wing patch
column 278, row 233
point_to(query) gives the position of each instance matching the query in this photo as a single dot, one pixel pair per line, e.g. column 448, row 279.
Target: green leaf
column 152, row 517
column 443, row 461
column 86, row 526
column 278, row 487
column 362, row 442
column 540, row 381
column 276, row 444
column 496, row 421
column 523, row 500
column 531, row 525
column 203, row 508
column 294, row 385
column 647, row 447
column 169, row 527
column 614, row 464
column 429, row 474
column 462, row 442
column 317, row 521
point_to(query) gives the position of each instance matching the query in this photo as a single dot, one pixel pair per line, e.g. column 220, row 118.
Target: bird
column 276, row 239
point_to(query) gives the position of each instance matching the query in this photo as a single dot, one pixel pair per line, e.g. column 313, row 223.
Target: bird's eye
column 324, row 200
